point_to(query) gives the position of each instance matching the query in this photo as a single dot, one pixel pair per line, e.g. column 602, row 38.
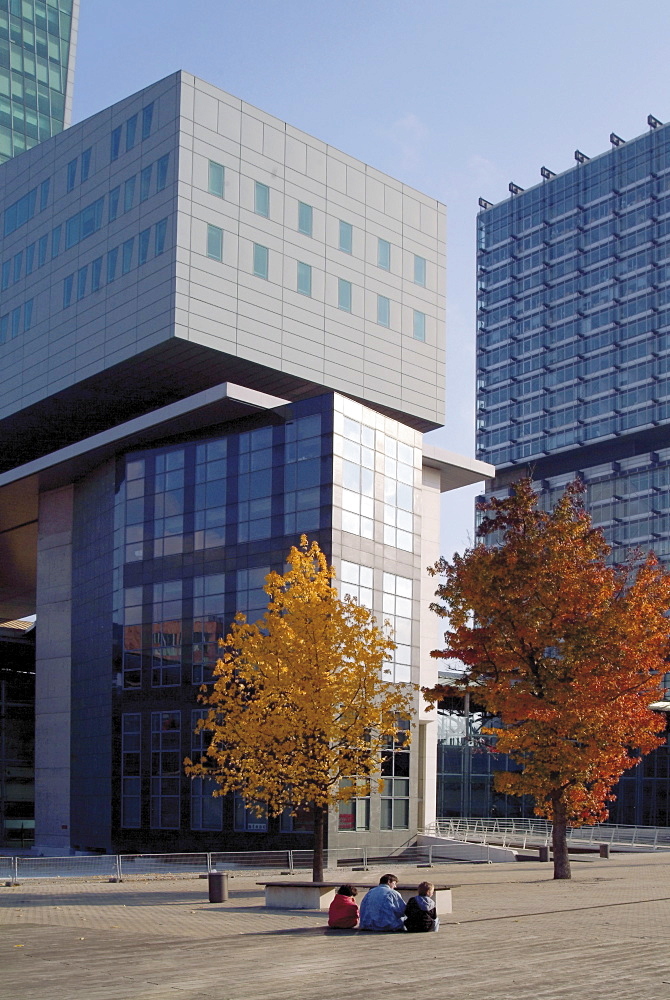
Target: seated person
column 343, row 911
column 383, row 907
column 420, row 912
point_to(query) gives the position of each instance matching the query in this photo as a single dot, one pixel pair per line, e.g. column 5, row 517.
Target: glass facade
column 573, row 361
column 35, row 56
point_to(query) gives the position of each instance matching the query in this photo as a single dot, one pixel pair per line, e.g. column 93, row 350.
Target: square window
column 419, row 270
column 305, row 218
column 262, row 199
column 344, row 294
column 215, row 242
column 304, row 278
column 216, row 179
column 346, row 236
column 384, row 254
column 383, row 310
column 261, row 257
column 419, row 325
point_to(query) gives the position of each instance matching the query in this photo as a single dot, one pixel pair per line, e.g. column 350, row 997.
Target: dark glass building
column 37, row 51
column 573, row 358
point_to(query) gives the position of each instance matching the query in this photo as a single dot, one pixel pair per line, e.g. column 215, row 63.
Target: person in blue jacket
column 383, row 908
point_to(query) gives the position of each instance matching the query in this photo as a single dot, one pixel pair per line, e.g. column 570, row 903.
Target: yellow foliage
column 300, row 701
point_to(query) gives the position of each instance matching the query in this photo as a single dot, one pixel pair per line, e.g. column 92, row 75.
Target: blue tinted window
column 383, row 310
column 261, row 257
column 28, row 315
column 44, row 193
column 42, row 250
column 4, row 328
column 145, row 182
column 55, row 241
column 262, row 199
column 419, row 325
column 82, row 276
column 71, row 174
column 304, row 278
column 127, row 258
column 344, row 294
column 384, row 254
column 162, row 171
column 30, row 258
column 143, row 246
column 147, row 120
column 68, row 285
column 419, row 270
column 346, row 237
column 129, row 193
column 114, row 196
column 112, row 257
column 84, row 223
column 18, row 266
column 215, row 242
column 131, row 132
column 20, row 212
column 216, row 179
column 6, row 275
column 16, row 321
column 159, row 239
column 85, row 164
column 96, row 273
column 115, row 144
column 305, row 218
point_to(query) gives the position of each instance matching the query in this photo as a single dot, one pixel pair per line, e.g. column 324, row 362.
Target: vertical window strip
column 419, row 325
column 159, row 238
column 96, row 274
column 384, row 254
column 346, row 237
column 305, row 218
column 162, row 172
column 262, row 199
column 344, row 295
column 85, row 165
column 216, row 179
column 145, row 182
column 304, row 279
column 143, row 248
column 115, row 144
column 419, row 270
column 261, row 261
column 131, row 132
column 71, row 175
column 68, row 284
column 127, row 255
column 383, row 310
column 215, row 243
column 147, row 120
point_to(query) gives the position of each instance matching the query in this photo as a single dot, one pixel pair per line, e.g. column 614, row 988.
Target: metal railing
column 116, row 867
column 533, row 832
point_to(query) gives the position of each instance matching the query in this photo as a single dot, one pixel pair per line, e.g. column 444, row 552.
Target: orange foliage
column 567, row 651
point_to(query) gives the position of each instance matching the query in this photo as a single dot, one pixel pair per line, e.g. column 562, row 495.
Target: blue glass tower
column 37, row 50
column 573, row 357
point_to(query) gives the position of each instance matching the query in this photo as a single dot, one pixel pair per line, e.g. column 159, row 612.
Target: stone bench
column 319, row 895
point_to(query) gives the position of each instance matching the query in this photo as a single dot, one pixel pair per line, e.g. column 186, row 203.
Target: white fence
column 116, row 867
column 535, row 832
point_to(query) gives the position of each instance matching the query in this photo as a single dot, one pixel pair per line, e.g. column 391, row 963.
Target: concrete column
column 52, row 672
column 429, row 640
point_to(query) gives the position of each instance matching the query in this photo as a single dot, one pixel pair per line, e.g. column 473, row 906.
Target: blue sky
column 456, row 98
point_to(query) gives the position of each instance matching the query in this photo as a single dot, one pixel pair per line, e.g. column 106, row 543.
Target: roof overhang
column 456, row 470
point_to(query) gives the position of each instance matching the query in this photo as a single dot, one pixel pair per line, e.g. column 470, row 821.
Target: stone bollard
column 604, row 850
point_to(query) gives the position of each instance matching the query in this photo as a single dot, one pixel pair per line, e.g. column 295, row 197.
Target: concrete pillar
column 52, row 672
column 428, row 640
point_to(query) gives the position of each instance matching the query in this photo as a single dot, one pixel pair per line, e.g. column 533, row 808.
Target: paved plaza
column 514, row 933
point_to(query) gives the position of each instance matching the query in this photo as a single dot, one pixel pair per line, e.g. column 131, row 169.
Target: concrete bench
column 319, row 895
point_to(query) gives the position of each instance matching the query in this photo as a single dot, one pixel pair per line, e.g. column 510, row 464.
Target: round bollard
column 218, row 887
column 544, row 852
column 604, row 850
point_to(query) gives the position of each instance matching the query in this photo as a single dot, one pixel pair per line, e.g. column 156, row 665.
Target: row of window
column 85, row 222
column 73, row 167
column 305, row 222
column 10, row 323
column 76, row 285
column 261, row 265
column 131, row 130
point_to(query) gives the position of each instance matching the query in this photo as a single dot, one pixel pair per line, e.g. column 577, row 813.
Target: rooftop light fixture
column 653, row 122
column 515, row 189
column 616, row 140
column 483, row 203
column 547, row 174
column 581, row 157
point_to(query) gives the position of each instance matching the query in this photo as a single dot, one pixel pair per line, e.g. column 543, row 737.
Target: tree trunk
column 317, row 863
column 559, row 841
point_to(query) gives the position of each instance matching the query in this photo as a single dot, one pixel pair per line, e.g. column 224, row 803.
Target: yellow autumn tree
column 300, row 707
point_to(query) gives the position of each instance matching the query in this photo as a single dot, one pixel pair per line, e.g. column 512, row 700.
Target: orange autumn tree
column 567, row 651
column 300, row 711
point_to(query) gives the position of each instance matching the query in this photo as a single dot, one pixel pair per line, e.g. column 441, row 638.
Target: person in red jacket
column 343, row 911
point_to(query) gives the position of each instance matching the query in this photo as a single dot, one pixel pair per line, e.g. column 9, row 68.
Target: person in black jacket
column 420, row 912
